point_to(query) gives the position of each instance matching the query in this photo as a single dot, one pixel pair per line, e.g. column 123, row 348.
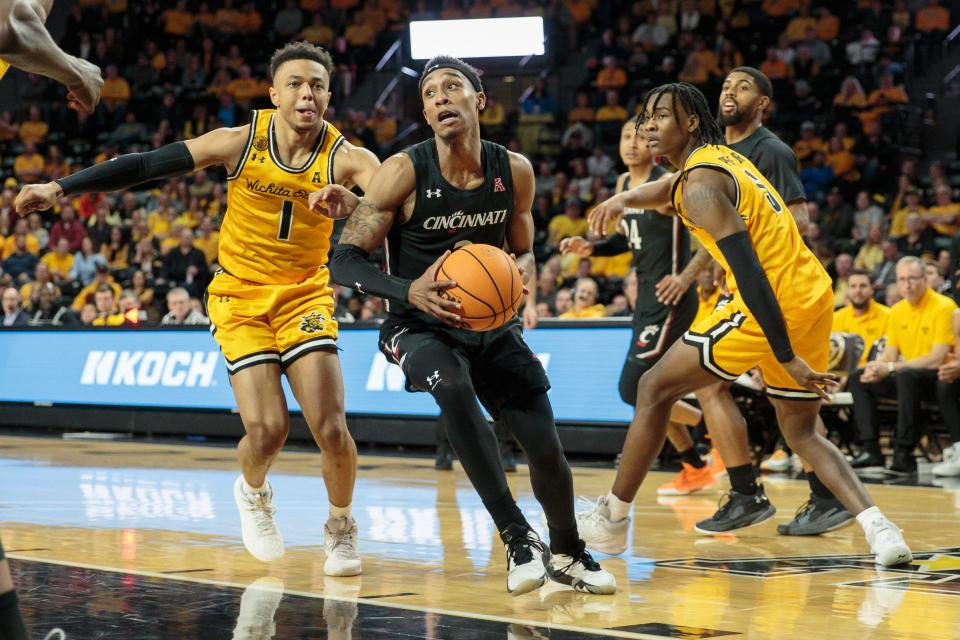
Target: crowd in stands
column 839, row 72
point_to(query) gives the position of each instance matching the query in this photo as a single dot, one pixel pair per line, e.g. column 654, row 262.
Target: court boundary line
column 317, row 596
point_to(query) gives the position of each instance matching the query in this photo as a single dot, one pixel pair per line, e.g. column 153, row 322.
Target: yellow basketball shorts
column 731, row 343
column 271, row 323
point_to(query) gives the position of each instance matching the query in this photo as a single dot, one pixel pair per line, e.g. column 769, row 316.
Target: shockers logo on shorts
column 312, row 322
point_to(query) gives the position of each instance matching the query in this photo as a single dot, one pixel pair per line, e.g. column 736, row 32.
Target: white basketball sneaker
column 599, row 531
column 951, row 462
column 261, row 536
column 527, row 558
column 340, row 541
column 258, row 605
column 582, row 572
column 887, row 543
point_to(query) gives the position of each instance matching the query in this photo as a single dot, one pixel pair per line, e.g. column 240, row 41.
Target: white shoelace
column 263, row 511
column 344, row 542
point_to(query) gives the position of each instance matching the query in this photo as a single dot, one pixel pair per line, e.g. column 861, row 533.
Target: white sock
column 247, row 489
column 340, row 512
column 618, row 508
column 867, row 516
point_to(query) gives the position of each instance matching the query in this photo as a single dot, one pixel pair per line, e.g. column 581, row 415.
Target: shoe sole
column 845, row 523
column 903, row 556
column 527, row 586
column 707, row 532
column 343, row 573
column 901, row 474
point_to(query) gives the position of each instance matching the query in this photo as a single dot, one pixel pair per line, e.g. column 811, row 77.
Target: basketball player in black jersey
column 452, row 189
column 746, row 95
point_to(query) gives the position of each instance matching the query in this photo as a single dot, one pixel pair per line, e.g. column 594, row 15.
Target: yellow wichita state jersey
column 4, row 65
column 268, row 235
column 797, row 277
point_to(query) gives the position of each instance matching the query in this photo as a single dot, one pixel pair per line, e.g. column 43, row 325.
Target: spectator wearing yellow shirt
column 582, row 111
column 108, row 314
column 384, row 127
column 34, row 129
column 828, row 25
column 885, row 96
column 798, row 25
column 207, row 240
column 774, row 66
column 245, row 88
column 59, row 261
column 843, row 163
column 116, row 90
column 101, row 278
column 28, row 166
column 56, row 166
column 568, row 224
column 919, row 329
column 944, row 215
column 864, row 316
column 227, row 18
column 250, row 20
column 808, row 143
column 906, row 202
column 359, row 33
column 870, row 254
column 611, row 76
column 612, row 109
column 779, row 8
column 177, row 22
column 20, row 229
column 933, row 20
column 317, row 32
column 585, row 305
column 30, row 291
column 492, row 118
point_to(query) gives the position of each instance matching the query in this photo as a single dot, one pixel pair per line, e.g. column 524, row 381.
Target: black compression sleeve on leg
column 130, row 170
column 757, row 292
column 12, row 626
column 351, row 267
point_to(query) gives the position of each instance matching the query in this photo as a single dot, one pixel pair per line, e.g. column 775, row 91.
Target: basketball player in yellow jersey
column 271, row 306
column 779, row 319
column 26, row 45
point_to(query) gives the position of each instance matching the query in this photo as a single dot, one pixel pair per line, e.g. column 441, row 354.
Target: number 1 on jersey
column 286, row 220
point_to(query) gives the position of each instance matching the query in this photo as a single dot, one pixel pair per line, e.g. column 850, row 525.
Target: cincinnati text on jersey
column 461, row 220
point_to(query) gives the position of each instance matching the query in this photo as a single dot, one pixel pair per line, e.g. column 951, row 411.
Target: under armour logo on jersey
column 498, row 185
column 434, row 380
column 433, row 193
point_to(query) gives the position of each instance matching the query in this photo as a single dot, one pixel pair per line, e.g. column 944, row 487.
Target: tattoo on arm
column 697, row 264
column 367, row 227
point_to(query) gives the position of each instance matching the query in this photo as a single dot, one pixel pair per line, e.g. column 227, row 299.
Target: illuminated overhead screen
column 485, row 38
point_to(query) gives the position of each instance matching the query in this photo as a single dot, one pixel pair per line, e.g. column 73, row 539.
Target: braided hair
column 693, row 102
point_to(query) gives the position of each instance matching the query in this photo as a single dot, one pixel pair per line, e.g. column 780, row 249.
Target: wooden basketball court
column 132, row 540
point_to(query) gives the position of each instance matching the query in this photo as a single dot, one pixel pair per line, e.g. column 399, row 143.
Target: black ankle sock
column 692, row 458
column 818, row 488
column 566, row 541
column 743, row 479
column 505, row 512
column 12, row 626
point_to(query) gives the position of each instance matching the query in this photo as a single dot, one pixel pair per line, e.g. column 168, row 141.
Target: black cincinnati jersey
column 445, row 217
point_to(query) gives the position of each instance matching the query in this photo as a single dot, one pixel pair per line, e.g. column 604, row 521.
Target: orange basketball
column 489, row 287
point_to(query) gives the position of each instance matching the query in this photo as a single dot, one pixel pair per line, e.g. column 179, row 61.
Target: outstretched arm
column 26, row 45
column 387, row 193
column 221, row 146
column 708, row 202
column 520, row 232
column 649, row 195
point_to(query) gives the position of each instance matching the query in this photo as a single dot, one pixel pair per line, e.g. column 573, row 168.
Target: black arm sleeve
column 778, row 164
column 130, row 170
column 351, row 267
column 610, row 246
column 756, row 292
